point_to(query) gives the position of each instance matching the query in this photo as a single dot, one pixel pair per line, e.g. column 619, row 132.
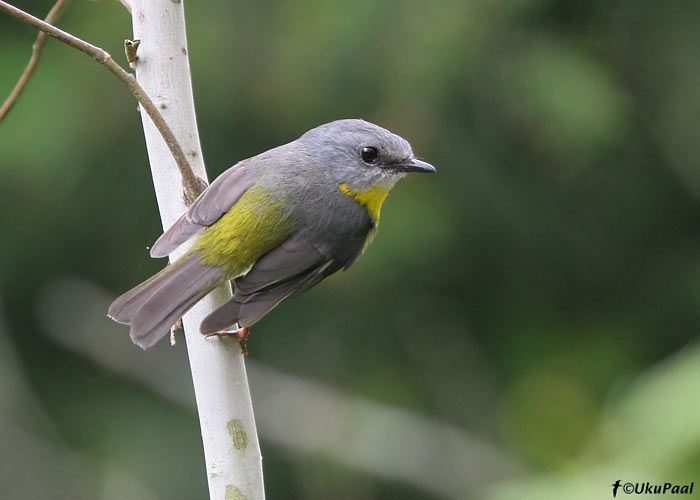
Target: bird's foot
column 177, row 326
column 241, row 334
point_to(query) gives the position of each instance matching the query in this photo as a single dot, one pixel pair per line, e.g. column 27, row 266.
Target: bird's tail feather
column 152, row 307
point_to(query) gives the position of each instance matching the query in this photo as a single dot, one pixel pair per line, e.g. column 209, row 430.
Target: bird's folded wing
column 289, row 269
column 246, row 310
column 293, row 257
column 214, row 202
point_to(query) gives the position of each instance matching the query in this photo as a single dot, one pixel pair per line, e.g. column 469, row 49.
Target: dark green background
column 541, row 291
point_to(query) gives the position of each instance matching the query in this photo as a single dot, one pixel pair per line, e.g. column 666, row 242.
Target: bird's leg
column 241, row 334
column 177, row 326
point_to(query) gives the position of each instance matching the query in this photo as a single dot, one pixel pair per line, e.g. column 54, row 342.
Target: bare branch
column 37, row 47
column 192, row 184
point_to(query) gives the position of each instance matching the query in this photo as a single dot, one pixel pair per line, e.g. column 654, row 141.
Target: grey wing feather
column 291, row 268
column 296, row 255
column 246, row 310
column 214, row 202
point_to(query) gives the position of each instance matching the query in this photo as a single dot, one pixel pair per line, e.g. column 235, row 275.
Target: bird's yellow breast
column 372, row 199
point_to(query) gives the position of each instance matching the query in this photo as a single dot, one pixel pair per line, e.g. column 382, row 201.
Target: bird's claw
column 241, row 334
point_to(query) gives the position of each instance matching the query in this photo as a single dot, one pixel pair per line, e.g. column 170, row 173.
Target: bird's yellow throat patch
column 371, row 199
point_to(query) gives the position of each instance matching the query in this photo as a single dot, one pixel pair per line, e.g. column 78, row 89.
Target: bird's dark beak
column 415, row 166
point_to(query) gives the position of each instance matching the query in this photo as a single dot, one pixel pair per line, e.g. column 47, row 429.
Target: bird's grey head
column 361, row 154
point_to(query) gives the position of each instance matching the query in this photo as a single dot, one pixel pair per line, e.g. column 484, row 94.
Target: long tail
column 152, row 307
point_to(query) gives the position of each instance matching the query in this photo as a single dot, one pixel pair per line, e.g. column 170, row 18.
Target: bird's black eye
column 369, row 154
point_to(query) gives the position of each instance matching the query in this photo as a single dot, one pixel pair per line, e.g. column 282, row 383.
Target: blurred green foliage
column 518, row 294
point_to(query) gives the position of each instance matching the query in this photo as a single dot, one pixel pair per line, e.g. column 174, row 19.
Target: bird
column 275, row 225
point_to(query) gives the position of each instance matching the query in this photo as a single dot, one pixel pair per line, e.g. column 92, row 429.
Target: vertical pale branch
column 232, row 452
column 231, row 449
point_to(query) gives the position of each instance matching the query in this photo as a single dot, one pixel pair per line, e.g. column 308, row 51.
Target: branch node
column 130, row 48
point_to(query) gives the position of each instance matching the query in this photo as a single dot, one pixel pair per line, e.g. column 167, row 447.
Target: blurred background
column 524, row 325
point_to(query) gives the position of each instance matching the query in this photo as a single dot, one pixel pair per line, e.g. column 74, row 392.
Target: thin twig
column 37, row 47
column 192, row 184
